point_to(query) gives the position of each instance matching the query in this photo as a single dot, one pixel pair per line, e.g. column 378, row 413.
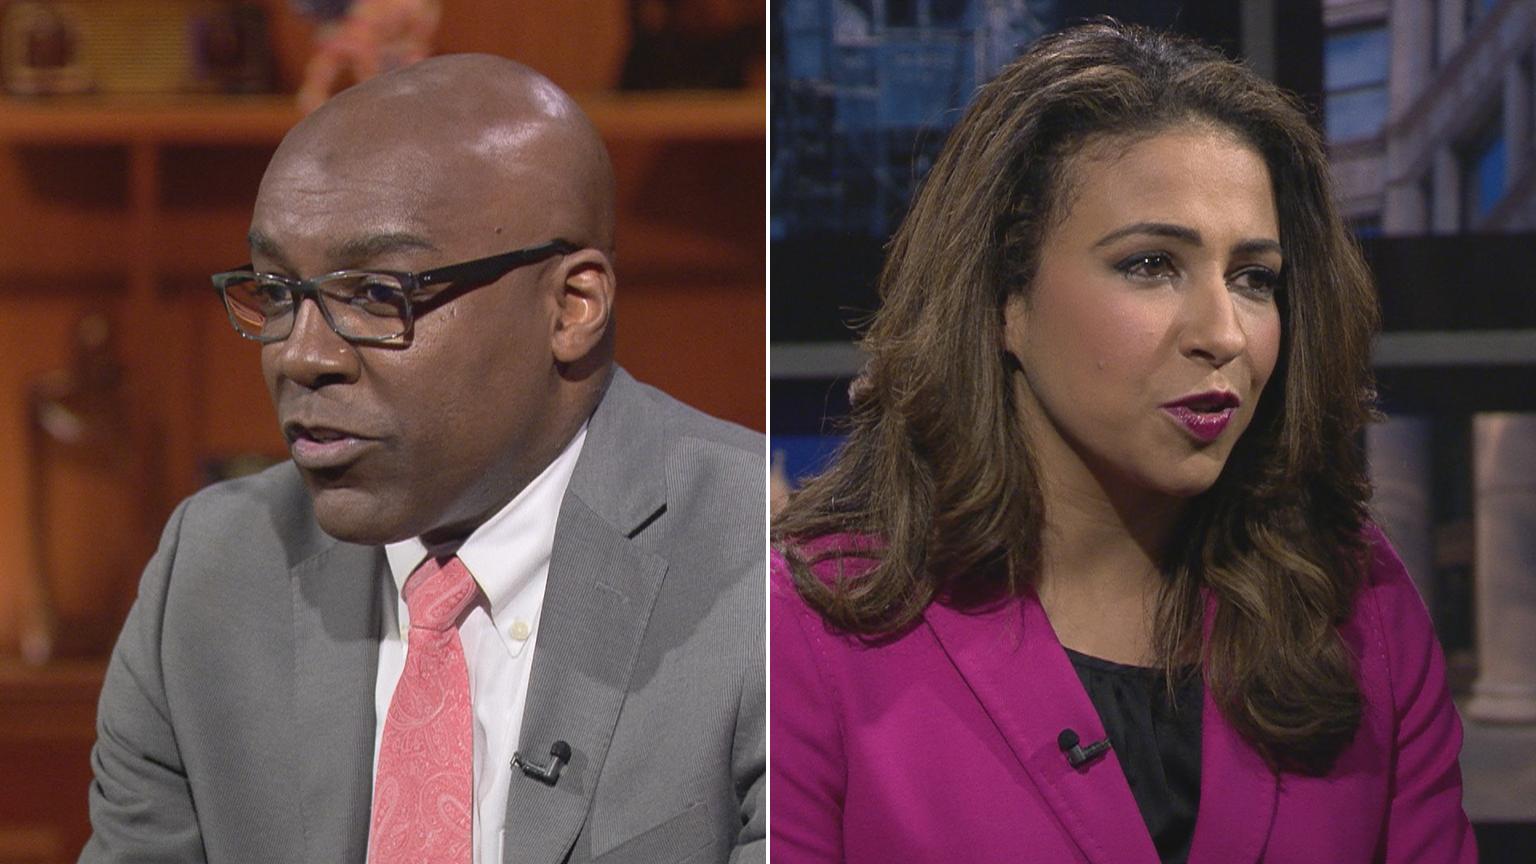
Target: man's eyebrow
column 348, row 253
column 366, row 248
column 266, row 247
column 1188, row 235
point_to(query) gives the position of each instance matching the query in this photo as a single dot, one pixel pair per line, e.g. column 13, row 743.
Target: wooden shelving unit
column 124, row 205
column 252, row 120
column 127, row 204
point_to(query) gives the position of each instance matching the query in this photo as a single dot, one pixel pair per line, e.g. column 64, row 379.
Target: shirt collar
column 511, row 548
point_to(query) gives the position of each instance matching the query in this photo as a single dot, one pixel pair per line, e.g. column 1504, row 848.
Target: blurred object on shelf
column 321, row 10
column 365, row 38
column 134, row 46
column 41, row 47
column 693, row 44
column 232, row 50
column 85, row 484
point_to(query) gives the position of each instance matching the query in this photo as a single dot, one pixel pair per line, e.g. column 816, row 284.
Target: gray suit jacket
column 237, row 719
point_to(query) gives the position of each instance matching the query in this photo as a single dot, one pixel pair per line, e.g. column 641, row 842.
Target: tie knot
column 437, row 592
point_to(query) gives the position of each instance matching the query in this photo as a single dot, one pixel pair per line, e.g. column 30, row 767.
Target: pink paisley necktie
column 423, row 792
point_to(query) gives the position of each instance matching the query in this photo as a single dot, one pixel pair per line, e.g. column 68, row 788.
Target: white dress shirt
column 509, row 558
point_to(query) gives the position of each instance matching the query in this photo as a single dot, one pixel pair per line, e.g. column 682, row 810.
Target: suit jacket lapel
column 1012, row 662
column 336, row 624
column 602, row 584
column 1237, row 788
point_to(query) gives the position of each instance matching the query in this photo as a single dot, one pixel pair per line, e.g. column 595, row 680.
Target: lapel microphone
column 1078, row 755
column 549, row 772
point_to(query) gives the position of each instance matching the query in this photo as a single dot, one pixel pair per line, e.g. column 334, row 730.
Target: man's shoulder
column 640, row 436
column 704, row 455
column 675, row 421
column 651, row 454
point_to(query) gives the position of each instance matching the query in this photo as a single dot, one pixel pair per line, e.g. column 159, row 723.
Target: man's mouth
column 318, row 447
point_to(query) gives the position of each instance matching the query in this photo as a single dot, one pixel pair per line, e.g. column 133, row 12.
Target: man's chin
column 354, row 516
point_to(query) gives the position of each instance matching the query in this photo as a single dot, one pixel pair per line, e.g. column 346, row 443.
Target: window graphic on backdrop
column 1430, row 112
column 1430, row 116
column 863, row 94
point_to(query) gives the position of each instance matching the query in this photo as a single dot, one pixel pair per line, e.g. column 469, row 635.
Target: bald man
column 504, row 604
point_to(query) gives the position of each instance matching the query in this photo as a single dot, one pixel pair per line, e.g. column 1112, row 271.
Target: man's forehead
column 450, row 171
column 346, row 221
column 374, row 193
column 437, row 136
column 509, row 140
column 381, row 165
column 422, row 157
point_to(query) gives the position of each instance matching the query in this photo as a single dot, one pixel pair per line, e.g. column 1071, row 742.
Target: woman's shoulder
column 807, row 652
column 1390, row 619
column 1413, row 701
column 1387, row 589
column 831, row 559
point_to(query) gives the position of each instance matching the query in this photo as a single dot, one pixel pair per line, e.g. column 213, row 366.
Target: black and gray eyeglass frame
column 460, row 278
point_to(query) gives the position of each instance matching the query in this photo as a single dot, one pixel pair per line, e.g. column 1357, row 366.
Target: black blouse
column 1156, row 740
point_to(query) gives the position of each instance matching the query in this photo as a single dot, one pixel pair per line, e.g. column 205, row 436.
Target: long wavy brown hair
column 936, row 468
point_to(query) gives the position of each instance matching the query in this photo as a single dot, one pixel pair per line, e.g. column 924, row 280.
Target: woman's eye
column 1148, row 266
column 1259, row 281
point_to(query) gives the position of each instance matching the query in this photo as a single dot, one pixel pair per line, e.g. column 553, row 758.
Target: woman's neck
column 1100, row 576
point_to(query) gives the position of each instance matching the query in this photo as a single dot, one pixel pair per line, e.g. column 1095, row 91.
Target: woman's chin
column 1184, row 481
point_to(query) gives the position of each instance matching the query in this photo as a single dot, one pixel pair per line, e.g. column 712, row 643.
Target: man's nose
column 314, row 355
column 1213, row 329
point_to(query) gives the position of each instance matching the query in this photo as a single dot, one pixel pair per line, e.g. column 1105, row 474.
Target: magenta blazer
column 940, row 746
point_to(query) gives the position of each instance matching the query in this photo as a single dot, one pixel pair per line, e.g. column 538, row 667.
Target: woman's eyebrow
column 1188, row 235
column 1258, row 247
column 1156, row 229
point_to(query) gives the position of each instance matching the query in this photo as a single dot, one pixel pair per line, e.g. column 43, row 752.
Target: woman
column 1092, row 578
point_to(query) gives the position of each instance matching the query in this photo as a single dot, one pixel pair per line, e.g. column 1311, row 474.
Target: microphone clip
column 1077, row 754
column 549, row 772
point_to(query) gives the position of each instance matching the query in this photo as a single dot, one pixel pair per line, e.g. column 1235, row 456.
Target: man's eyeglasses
column 370, row 307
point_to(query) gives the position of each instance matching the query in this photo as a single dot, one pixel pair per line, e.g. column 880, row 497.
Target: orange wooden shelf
column 263, row 120
column 96, row 278
column 170, row 119
column 674, row 116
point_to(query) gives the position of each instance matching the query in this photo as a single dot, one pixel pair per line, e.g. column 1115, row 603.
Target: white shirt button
column 520, row 630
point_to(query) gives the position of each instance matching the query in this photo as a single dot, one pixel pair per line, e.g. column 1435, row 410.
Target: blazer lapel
column 336, row 620
column 595, row 610
column 1238, row 790
column 1011, row 660
column 602, row 585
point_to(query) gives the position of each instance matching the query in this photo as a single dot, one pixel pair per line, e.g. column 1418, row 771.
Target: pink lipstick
column 1204, row 415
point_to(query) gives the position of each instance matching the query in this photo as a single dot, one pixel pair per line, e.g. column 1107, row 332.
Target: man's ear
column 584, row 306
